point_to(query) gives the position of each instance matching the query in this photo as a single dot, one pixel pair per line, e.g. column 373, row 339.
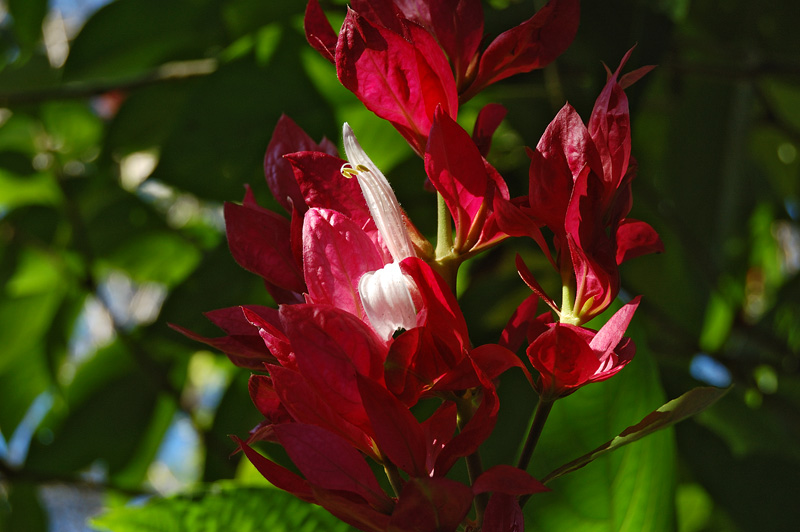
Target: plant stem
column 446, row 261
column 539, row 418
column 444, row 229
column 474, row 462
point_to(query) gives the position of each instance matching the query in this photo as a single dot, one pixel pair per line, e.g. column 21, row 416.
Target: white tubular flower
column 387, row 300
column 382, row 202
column 385, row 293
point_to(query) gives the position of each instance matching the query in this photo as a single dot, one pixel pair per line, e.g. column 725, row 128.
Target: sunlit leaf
column 688, row 404
column 221, row 507
column 39, row 188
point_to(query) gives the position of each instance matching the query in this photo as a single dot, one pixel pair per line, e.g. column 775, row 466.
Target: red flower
column 580, row 188
column 403, row 59
column 568, row 357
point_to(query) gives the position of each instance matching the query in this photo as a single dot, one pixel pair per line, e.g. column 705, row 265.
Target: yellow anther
column 349, row 171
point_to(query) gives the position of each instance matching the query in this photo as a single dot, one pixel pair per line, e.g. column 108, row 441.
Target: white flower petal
column 382, row 202
column 387, row 300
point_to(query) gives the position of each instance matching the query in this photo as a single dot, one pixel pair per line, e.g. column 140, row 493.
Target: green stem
column 444, row 229
column 539, row 418
column 446, row 262
column 474, row 462
column 568, row 294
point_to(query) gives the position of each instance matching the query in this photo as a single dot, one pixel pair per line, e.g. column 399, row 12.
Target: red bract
column 401, row 78
column 503, row 513
column 243, row 345
column 531, row 45
column 288, row 137
column 580, row 188
column 393, row 54
column 568, row 357
column 467, row 183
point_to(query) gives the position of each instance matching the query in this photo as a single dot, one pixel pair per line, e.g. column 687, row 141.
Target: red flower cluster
column 368, row 324
column 580, row 190
column 403, row 59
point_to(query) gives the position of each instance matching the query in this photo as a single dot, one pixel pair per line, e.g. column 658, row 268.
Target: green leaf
column 161, row 257
column 22, row 510
column 40, row 188
column 108, row 408
column 220, row 508
column 28, row 16
column 73, row 129
column 626, row 491
column 128, row 37
column 686, row 405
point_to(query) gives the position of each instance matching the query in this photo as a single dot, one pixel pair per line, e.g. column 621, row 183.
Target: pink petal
column 328, row 461
column 458, row 26
column 336, row 253
column 279, row 476
column 287, row 137
column 533, row 284
column 636, row 238
column 259, row 242
column 489, row 119
column 323, row 185
column 243, row 345
column 330, row 347
column 610, row 334
column 475, row 432
column 266, row 399
column 305, row 405
column 319, row 33
column 439, row 429
column 441, row 313
column 356, row 513
column 565, row 152
column 399, row 81
column 533, row 44
column 563, row 359
column 397, row 432
column 515, row 331
column 383, row 12
column 271, row 333
column 514, row 218
column 610, row 126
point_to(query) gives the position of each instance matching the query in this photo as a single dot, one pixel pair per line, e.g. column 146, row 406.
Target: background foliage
column 120, row 137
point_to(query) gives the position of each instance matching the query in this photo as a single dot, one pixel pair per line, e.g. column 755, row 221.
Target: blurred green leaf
column 28, row 17
column 128, row 37
column 19, row 132
column 220, row 508
column 37, row 272
column 73, row 129
column 24, row 322
column 161, row 257
column 108, row 426
column 39, row 188
column 22, row 509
